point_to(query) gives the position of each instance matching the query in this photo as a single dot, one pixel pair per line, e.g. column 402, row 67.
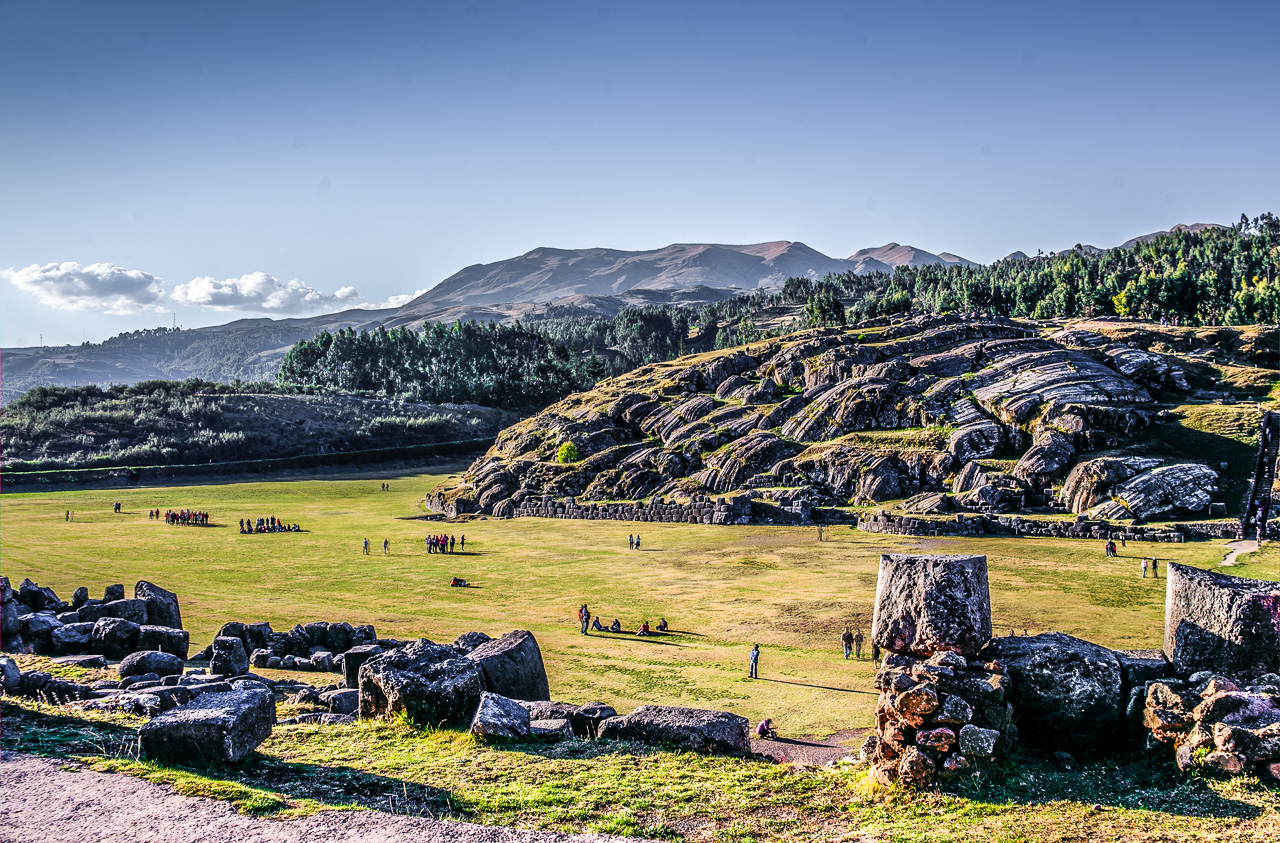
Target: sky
column 194, row 163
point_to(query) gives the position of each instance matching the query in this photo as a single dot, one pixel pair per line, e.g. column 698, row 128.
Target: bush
column 567, row 453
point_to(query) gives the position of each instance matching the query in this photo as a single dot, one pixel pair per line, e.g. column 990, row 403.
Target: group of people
column 1110, row 546
column 588, row 623
column 633, row 541
column 852, row 643
column 1152, row 564
column 266, row 524
column 445, row 544
column 180, row 517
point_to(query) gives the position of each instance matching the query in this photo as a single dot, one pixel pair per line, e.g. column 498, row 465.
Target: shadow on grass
column 63, row 735
column 1132, row 783
column 820, row 687
column 631, row 636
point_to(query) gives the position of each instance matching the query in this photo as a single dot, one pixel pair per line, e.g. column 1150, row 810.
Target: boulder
column 1138, row 667
column 469, row 641
column 589, row 717
column 318, row 632
column 544, row 710
column 10, row 624
column 79, row 597
column 1169, row 489
column 114, row 638
column 1047, row 458
column 71, row 639
column 976, row 742
column 341, row 700
column 229, row 657
column 10, row 676
column 1091, row 482
column 512, row 666
column 213, row 728
column 162, row 605
column 1220, row 623
column 152, row 661
column 925, row 604
column 130, row 610
column 37, row 630
column 499, row 717
column 113, row 592
column 353, row 658
column 975, row 441
column 176, row 642
column 553, row 729
column 339, row 637
column 698, row 730
column 428, row 682
column 1067, row 692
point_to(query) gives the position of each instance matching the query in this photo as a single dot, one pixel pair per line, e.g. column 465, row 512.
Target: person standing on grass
column 366, row 547
column 1154, row 573
column 755, row 662
column 462, row 543
column 857, row 643
column 386, row 547
column 584, row 617
column 637, row 541
column 875, row 650
column 631, row 542
column 847, row 641
column 1144, row 567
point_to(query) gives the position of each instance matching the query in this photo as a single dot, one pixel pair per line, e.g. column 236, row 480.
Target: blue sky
column 216, row 160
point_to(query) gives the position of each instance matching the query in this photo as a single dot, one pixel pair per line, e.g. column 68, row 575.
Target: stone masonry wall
column 701, row 509
column 1009, row 525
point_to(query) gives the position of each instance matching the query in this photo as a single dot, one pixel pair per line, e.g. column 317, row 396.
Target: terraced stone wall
column 699, row 510
column 979, row 525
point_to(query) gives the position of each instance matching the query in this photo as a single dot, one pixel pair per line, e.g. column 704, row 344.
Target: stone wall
column 701, row 509
column 1012, row 525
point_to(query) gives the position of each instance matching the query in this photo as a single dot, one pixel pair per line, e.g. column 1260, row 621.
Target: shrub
column 567, row 453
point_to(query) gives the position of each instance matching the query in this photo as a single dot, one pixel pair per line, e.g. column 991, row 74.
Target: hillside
column 174, row 423
column 939, row 413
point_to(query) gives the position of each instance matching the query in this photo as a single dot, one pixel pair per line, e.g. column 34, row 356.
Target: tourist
column 386, row 547
column 68, row 516
column 451, row 541
column 644, row 629
column 584, row 616
column 857, row 644
column 1144, row 567
column 847, row 640
column 765, row 730
column 1153, row 568
column 662, row 625
column 1122, row 540
column 616, row 626
column 631, row 542
column 755, row 662
column 598, row 627
column 462, row 542
column 875, row 649
column 366, row 547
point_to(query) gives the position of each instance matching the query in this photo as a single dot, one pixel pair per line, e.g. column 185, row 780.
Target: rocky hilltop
column 938, row 413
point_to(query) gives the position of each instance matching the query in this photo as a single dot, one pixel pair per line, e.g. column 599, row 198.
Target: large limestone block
column 1067, row 693
column 712, row 732
column 162, row 605
column 214, row 728
column 499, row 717
column 429, row 682
column 926, row 604
column 512, row 666
column 1221, row 623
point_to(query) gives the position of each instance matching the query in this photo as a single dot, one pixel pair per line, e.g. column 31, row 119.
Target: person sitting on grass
column 644, row 629
column 615, row 626
column 765, row 730
column 597, row 626
column 662, row 625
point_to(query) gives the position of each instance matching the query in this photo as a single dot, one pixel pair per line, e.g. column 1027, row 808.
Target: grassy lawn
column 721, row 589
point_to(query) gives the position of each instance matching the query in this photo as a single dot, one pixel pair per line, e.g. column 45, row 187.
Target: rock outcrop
column 1221, row 623
column 430, row 683
column 694, row 729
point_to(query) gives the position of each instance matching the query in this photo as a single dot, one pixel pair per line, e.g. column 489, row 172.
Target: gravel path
column 48, row 800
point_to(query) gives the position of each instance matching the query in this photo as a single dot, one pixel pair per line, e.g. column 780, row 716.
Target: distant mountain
column 1194, row 228
column 545, row 274
column 893, row 255
column 249, row 349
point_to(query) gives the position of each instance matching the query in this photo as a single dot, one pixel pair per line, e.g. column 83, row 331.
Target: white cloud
column 260, row 293
column 98, row 286
column 395, row 301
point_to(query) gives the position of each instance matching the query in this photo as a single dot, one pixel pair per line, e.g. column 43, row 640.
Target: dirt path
column 1238, row 547
column 49, row 800
column 810, row 752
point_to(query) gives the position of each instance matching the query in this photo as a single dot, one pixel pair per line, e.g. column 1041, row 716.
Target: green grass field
column 720, row 588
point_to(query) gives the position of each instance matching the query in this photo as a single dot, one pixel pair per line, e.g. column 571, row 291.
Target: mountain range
column 541, row 283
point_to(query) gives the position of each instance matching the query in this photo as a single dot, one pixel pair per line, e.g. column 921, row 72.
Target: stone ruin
column 496, row 688
column 952, row 697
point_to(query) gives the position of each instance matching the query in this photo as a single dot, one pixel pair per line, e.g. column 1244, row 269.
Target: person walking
column 462, row 543
column 857, row 644
column 1154, row 573
column 847, row 641
column 755, row 662
column 631, row 541
column 366, row 547
column 1144, row 567
column 386, row 547
column 637, row 541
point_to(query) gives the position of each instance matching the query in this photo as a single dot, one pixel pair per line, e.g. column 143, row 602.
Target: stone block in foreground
column 1220, row 623
column 927, row 604
column 214, row 728
column 711, row 732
